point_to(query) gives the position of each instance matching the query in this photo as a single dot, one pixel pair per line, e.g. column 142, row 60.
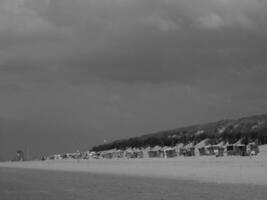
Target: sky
column 76, row 73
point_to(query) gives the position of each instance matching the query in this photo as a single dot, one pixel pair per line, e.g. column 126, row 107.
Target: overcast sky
column 76, row 72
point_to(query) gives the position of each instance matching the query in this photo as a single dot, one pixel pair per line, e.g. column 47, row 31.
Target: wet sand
column 29, row 184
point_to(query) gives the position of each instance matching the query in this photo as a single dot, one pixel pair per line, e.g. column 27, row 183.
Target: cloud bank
column 108, row 69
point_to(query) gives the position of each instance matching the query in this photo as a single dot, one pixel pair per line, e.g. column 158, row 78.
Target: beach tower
column 20, row 156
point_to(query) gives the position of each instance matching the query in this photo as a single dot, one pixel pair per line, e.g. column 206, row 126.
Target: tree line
column 184, row 137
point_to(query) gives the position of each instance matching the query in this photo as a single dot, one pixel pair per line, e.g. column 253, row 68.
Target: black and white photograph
column 133, row 99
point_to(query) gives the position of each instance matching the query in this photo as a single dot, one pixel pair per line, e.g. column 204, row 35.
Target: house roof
column 179, row 145
column 238, row 142
column 166, row 148
column 156, row 148
column 146, row 149
column 136, row 150
column 129, row 149
column 220, row 144
column 190, row 145
column 201, row 144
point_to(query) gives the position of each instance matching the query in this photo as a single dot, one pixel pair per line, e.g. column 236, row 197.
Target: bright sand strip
column 228, row 169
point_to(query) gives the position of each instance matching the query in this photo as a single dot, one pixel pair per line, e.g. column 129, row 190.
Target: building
column 106, row 154
column 115, row 153
column 169, row 152
column 236, row 149
column 211, row 150
column 187, row 150
column 145, row 152
column 252, row 149
column 200, row 147
column 156, row 152
column 178, row 147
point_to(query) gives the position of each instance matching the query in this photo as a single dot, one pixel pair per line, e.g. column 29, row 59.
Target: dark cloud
column 94, row 70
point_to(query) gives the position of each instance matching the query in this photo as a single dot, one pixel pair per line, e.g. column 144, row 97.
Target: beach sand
column 28, row 184
column 227, row 169
column 206, row 177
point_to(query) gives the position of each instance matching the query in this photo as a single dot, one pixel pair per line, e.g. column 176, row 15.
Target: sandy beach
column 228, row 169
column 158, row 179
column 25, row 184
